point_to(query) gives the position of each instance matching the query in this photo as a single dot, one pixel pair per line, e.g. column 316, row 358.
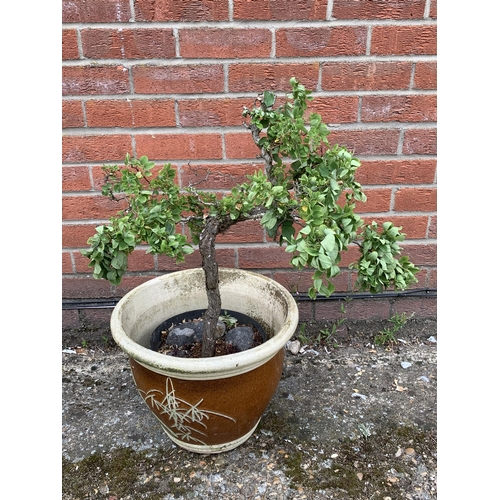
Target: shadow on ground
column 350, row 420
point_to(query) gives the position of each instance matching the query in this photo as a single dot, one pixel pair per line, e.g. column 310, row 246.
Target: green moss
column 119, row 470
column 373, row 457
column 337, row 476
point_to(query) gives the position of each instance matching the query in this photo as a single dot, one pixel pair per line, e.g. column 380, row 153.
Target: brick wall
column 169, row 78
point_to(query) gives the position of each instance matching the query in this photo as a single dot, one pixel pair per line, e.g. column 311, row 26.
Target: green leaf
column 328, row 242
column 326, row 262
column 287, row 230
column 269, row 99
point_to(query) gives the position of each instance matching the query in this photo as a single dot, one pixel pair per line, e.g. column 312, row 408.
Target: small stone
column 405, row 364
column 177, row 479
column 357, row 395
column 241, row 337
column 293, row 346
column 180, row 336
column 410, row 451
column 360, row 475
column 103, row 489
column 423, row 378
column 432, row 339
column 220, row 330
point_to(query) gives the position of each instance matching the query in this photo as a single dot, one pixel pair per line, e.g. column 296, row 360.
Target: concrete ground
column 351, row 419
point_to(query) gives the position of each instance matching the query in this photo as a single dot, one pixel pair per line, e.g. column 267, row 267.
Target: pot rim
column 206, row 368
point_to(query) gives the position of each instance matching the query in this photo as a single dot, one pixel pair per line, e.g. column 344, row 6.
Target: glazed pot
column 206, row 405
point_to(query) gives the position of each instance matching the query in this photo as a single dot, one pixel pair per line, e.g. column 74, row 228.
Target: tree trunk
column 211, row 269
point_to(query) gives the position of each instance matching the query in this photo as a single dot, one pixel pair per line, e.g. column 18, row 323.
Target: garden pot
column 206, row 405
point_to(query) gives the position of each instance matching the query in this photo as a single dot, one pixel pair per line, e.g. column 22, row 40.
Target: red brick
column 358, row 309
column 219, row 176
column 76, row 179
column 81, row 149
column 92, row 80
column 137, row 43
column 72, row 114
column 420, row 142
column 396, row 172
column 79, row 208
column 330, row 310
column 433, row 9
column 420, row 254
column 404, row 40
column 279, row 10
column 410, row 108
column 432, row 233
column 212, row 112
column 263, row 257
column 98, row 176
column 91, row 11
column 425, row 76
column 203, row 78
column 82, row 262
column 77, row 235
column 378, row 200
column 419, row 307
column 259, row 77
column 324, row 41
column 366, row 75
column 367, row 142
column 86, row 288
column 129, row 282
column 67, row 265
column 386, row 9
column 349, row 256
column 300, row 281
column 416, row 200
column 240, row 145
column 226, row 257
column 179, row 146
column 225, row 43
column 422, row 280
column 192, row 261
column 432, row 279
column 130, row 113
column 243, row 232
column 181, row 10
column 414, row 226
column 333, row 110
column 69, row 45
column 140, row 260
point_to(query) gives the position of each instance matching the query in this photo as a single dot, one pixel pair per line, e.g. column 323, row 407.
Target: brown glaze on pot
column 209, row 412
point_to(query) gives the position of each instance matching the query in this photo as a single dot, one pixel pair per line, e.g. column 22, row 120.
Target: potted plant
column 304, row 197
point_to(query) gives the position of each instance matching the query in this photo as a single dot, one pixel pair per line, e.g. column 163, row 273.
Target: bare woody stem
column 212, row 227
column 211, row 269
column 264, row 153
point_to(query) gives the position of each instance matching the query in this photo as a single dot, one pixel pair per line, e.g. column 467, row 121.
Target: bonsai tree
column 304, row 197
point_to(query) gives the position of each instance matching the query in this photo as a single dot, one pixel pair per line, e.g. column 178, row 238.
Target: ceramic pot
column 206, row 405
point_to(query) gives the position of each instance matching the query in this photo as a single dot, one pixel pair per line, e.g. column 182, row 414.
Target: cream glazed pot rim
column 207, row 368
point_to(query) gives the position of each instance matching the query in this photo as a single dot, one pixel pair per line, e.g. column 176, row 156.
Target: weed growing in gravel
column 388, row 335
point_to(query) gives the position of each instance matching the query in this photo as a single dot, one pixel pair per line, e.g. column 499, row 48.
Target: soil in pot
column 181, row 335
